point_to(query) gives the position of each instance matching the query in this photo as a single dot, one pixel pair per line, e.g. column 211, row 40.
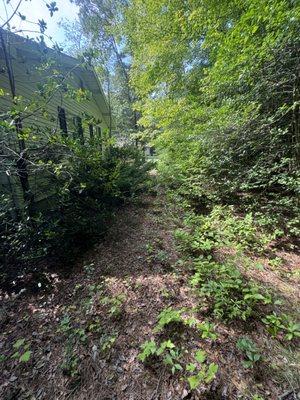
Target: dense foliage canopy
column 218, row 88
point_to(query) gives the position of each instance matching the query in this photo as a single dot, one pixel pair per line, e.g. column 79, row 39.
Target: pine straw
column 126, row 264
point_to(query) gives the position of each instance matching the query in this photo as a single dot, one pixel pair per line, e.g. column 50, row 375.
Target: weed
column 95, row 289
column 65, row 324
column 282, row 323
column 22, row 350
column 203, row 373
column 149, row 249
column 249, row 350
column 77, row 287
column 70, row 361
column 165, row 293
column 162, row 256
column 89, row 269
column 225, row 290
column 275, row 263
column 292, row 330
column 2, row 358
column 107, row 341
column 221, row 228
column 149, row 349
column 94, row 326
column 274, row 323
column 114, row 304
column 207, row 330
column 167, row 351
column 71, row 330
column 168, row 316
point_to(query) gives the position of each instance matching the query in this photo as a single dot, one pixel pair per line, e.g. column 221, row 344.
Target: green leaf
column 26, row 356
column 200, row 356
column 247, row 364
column 178, row 367
column 19, row 343
column 190, row 367
column 256, row 296
column 194, row 381
column 211, row 372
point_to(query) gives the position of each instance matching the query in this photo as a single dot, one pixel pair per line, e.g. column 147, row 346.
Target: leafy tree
column 99, row 21
column 218, row 89
column 87, row 179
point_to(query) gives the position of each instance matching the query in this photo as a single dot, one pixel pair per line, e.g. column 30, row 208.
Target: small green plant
column 95, row 289
column 94, row 326
column 22, row 350
column 170, row 355
column 219, row 229
column 149, row 349
column 250, row 352
column 207, row 330
column 65, row 324
column 166, row 351
column 2, row 358
column 165, row 293
column 150, row 248
column 77, row 287
column 107, row 341
column 168, row 316
column 275, row 262
column 274, row 323
column 225, row 290
column 203, row 373
column 72, row 330
column 292, row 330
column 162, row 256
column 89, row 269
column 70, row 361
column 114, row 304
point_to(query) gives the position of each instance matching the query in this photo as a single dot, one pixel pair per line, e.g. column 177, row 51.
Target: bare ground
column 85, row 333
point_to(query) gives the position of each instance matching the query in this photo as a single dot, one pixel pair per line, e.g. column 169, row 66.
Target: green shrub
column 282, row 324
column 221, row 228
column 87, row 184
column 226, row 291
column 201, row 372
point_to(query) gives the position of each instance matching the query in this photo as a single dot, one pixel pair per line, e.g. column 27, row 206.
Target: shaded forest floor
column 83, row 336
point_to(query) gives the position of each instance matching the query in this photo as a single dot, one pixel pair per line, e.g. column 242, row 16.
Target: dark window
column 62, row 120
column 78, row 129
column 91, row 130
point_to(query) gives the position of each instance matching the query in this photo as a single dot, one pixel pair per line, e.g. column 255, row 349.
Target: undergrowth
column 88, row 185
column 218, row 248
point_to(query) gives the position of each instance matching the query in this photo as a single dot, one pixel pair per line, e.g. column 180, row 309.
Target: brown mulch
column 136, row 262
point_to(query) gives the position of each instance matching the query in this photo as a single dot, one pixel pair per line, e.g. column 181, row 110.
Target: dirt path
column 131, row 270
column 82, row 338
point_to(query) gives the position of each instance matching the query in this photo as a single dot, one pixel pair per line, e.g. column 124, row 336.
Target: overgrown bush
column 219, row 97
column 228, row 294
column 222, row 228
column 88, row 183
